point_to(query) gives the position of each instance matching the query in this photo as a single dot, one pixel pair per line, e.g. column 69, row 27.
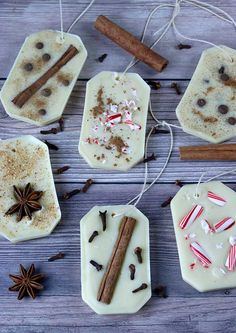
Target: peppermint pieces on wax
column 43, row 76
column 209, row 216
column 114, row 120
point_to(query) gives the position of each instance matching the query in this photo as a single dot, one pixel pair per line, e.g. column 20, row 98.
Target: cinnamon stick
column 217, row 152
column 26, row 94
column 111, row 275
column 130, row 43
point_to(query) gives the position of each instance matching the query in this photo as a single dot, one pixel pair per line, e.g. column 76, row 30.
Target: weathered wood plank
column 20, row 18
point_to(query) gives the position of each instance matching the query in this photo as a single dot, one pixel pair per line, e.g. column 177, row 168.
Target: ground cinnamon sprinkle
column 204, row 118
column 98, row 109
column 118, row 142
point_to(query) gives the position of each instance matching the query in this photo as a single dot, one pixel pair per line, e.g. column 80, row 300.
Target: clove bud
column 94, row 234
column 132, row 271
column 96, row 265
column 138, row 252
column 103, row 216
column 142, row 287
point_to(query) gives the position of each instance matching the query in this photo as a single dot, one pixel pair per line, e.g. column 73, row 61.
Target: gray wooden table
column 59, row 308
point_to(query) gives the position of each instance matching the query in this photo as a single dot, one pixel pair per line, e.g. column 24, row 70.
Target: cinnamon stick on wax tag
column 130, row 43
column 111, row 275
column 217, row 152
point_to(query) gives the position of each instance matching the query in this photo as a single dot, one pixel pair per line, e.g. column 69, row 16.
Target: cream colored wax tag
column 114, row 121
column 207, row 108
column 43, row 76
column 204, row 221
column 28, row 201
column 115, row 263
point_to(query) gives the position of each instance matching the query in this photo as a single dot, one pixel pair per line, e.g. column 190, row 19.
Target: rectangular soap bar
column 99, row 239
column 48, row 68
column 205, row 229
column 25, row 173
column 207, row 108
column 114, row 121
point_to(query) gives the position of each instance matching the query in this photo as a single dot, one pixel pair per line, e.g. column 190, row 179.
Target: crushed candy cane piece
column 190, row 236
column 232, row 240
column 201, row 254
column 132, row 125
column 92, row 140
column 192, row 265
column 187, row 220
column 206, row 226
column 219, row 245
column 216, row 199
column 113, row 108
column 224, row 224
column 231, row 259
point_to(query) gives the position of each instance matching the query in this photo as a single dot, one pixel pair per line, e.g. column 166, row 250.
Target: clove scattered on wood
column 160, row 291
column 59, row 255
column 142, row 287
column 178, row 183
column 61, row 124
column 103, row 216
column 62, row 169
column 87, row 185
column 183, row 46
column 175, row 86
column 96, row 265
column 51, row 145
column 52, row 130
column 149, row 158
column 94, row 234
column 102, row 57
column 132, row 271
column 166, row 202
column 154, row 84
column 138, row 252
column 68, row 195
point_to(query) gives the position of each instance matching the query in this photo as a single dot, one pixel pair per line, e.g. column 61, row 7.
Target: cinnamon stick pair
column 217, row 152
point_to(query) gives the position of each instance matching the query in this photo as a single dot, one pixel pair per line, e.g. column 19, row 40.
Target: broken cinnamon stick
column 26, row 94
column 221, row 152
column 130, row 43
column 112, row 273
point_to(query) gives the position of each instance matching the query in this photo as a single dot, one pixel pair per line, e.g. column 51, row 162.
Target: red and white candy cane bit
column 132, row 125
column 206, row 226
column 115, row 118
column 231, row 259
column 201, row 254
column 224, row 224
column 216, row 199
column 194, row 213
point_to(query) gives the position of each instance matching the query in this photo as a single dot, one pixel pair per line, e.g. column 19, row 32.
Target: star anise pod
column 27, row 202
column 27, row 283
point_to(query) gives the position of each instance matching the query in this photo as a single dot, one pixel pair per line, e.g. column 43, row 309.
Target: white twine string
column 75, row 20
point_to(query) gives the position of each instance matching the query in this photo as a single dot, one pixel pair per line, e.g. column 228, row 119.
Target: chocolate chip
column 201, row 102
column 46, row 92
column 66, row 82
column 221, row 70
column 224, row 77
column 232, row 120
column 39, row 45
column 28, row 67
column 42, row 112
column 223, row 109
column 46, row 57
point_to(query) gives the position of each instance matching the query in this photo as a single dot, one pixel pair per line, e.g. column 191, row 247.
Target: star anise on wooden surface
column 27, row 202
column 27, row 283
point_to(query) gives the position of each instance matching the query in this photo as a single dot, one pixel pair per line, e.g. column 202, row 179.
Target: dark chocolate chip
column 224, row 77
column 232, row 120
column 201, row 102
column 66, row 82
column 223, row 109
column 39, row 45
column 221, row 70
column 46, row 57
column 42, row 112
column 28, row 67
column 46, row 92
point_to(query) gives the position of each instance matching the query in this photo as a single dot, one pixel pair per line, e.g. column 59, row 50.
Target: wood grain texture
column 59, row 308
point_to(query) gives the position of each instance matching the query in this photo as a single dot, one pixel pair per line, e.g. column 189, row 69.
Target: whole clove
column 96, row 265
column 61, row 124
column 142, row 287
column 103, row 216
column 68, row 195
column 87, row 185
column 62, row 169
column 183, row 46
column 53, row 130
column 178, row 183
column 166, row 202
column 160, row 291
column 102, row 57
column 132, row 271
column 149, row 158
column 154, row 84
column 94, row 234
column 138, row 252
column 51, row 145
column 59, row 255
column 175, row 86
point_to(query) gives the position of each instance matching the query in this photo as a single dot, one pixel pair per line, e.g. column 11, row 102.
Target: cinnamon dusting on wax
column 99, row 108
column 118, row 142
column 205, row 118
